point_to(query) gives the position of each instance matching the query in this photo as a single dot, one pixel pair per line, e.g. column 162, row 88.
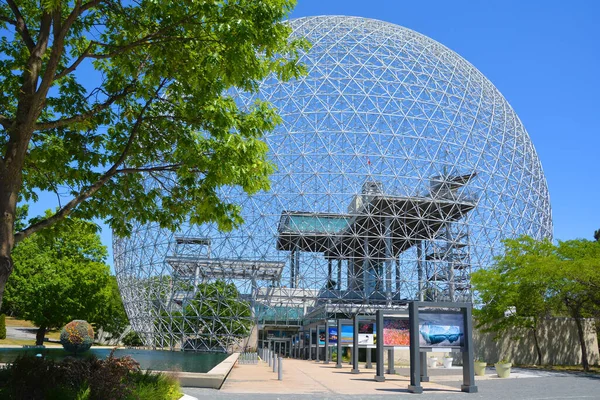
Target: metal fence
column 248, row 358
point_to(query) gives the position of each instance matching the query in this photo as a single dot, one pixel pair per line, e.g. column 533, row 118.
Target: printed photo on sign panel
column 322, row 337
column 396, row 332
column 333, row 335
column 441, row 330
column 347, row 334
column 366, row 335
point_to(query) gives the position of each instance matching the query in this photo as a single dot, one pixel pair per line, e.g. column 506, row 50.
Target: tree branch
column 76, row 63
column 21, row 26
column 5, row 122
column 59, row 123
column 86, row 193
column 6, row 19
column 171, row 167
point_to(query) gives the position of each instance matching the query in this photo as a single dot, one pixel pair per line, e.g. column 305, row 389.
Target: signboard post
column 391, row 369
column 379, row 377
column 415, row 359
column 338, row 363
column 468, row 370
column 326, row 342
column 440, row 329
column 310, row 344
column 355, row 369
column 318, row 350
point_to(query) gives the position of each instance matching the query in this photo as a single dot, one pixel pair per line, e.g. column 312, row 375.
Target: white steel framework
column 400, row 169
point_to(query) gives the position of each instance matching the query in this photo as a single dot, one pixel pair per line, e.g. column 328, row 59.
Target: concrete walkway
column 20, row 332
column 308, row 380
column 309, row 377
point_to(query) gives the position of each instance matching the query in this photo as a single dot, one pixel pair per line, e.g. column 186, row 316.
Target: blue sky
column 544, row 56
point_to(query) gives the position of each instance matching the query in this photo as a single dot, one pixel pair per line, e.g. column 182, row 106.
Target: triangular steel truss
column 400, row 169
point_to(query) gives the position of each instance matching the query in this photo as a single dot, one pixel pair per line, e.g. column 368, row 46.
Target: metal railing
column 248, row 358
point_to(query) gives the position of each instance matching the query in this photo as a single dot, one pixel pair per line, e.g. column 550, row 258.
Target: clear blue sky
column 544, row 56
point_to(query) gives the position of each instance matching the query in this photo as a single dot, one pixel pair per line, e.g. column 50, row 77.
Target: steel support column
column 379, row 377
column 326, row 361
column 338, row 363
column 355, row 369
column 415, row 359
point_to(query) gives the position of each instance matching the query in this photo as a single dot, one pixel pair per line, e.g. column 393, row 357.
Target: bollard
column 269, row 357
column 280, row 369
column 274, row 362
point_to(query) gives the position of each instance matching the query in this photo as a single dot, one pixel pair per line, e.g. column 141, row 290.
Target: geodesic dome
column 400, row 168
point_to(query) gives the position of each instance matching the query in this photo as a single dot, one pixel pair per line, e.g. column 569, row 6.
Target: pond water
column 149, row 359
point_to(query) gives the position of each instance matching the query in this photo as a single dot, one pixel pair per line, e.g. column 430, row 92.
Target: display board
column 333, row 335
column 441, row 330
column 322, row 337
column 366, row 333
column 347, row 334
column 396, row 332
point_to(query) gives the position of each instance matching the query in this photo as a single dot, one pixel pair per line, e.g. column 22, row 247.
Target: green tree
column 515, row 290
column 535, row 279
column 2, row 326
column 111, row 316
column 132, row 339
column 576, row 284
column 216, row 312
column 123, row 109
column 60, row 275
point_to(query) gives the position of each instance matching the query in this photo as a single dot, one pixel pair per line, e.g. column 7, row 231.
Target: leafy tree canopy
column 515, row 291
column 60, row 275
column 216, row 315
column 123, row 110
column 535, row 279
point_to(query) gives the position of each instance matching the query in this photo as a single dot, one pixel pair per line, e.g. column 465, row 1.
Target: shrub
column 2, row 326
column 84, row 379
column 152, row 386
column 110, row 378
column 77, row 336
column 132, row 339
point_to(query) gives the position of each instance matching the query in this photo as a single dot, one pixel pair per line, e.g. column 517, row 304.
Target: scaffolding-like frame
column 400, row 170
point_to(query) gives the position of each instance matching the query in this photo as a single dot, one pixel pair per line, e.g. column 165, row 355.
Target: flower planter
column 480, row 368
column 447, row 362
column 432, row 362
column 503, row 369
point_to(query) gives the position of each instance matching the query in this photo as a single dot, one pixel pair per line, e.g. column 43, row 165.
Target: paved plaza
column 310, row 380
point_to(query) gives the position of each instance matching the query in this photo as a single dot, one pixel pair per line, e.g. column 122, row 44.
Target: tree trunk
column 8, row 208
column 30, row 104
column 537, row 346
column 581, row 334
column 40, row 335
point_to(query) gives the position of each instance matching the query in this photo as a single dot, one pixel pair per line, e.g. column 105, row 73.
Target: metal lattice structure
column 400, row 168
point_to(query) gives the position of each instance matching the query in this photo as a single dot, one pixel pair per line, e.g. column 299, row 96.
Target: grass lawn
column 11, row 321
column 53, row 335
column 14, row 322
column 18, row 342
